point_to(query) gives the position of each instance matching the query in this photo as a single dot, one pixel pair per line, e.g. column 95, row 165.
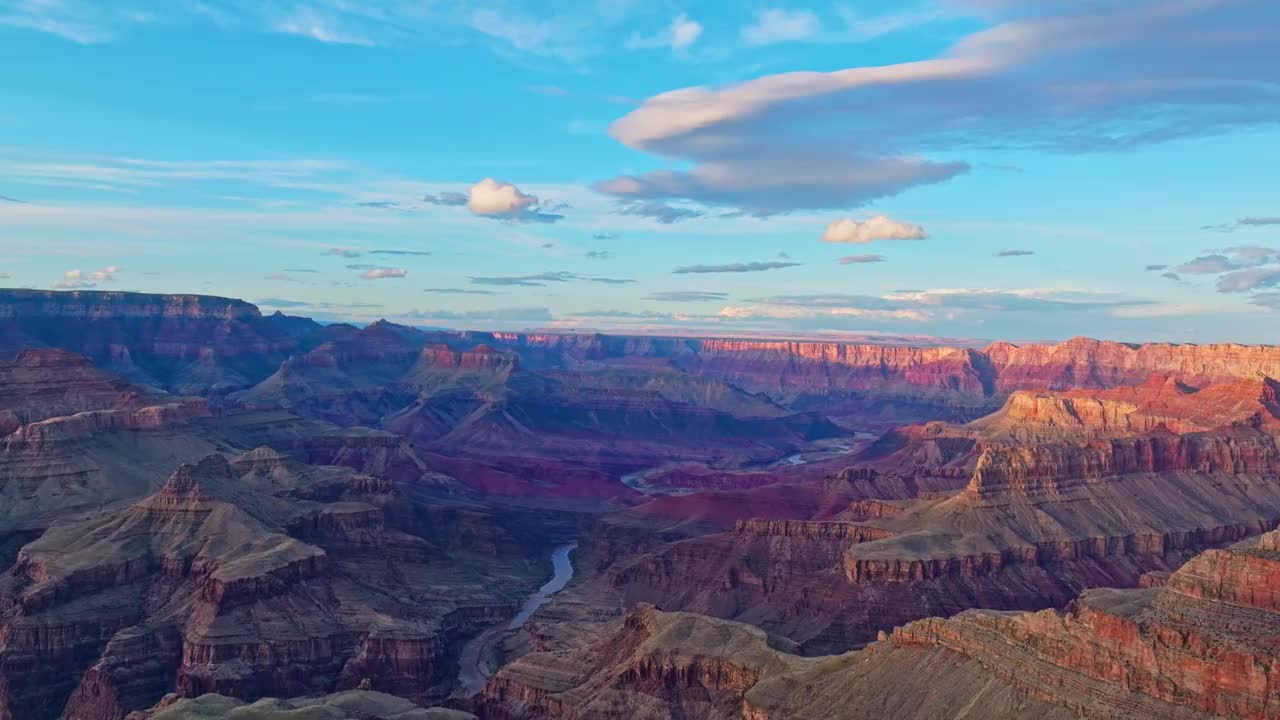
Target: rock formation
column 349, row 705
column 252, row 578
column 1202, row 645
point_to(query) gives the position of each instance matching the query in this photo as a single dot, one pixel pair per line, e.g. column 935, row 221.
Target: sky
column 995, row 169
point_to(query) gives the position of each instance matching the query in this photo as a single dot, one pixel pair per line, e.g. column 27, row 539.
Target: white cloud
column 679, row 35
column 1094, row 76
column 502, row 200
column 778, row 25
column 310, row 23
column 80, row 279
column 877, row 227
column 495, row 197
column 383, row 273
column 684, row 32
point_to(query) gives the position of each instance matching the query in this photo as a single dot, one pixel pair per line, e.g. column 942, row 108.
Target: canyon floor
column 207, row 512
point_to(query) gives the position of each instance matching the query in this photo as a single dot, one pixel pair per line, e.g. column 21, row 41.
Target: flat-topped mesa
column 479, row 358
column 825, row 530
column 1052, row 468
column 380, row 342
column 845, row 366
column 97, row 304
column 1088, row 363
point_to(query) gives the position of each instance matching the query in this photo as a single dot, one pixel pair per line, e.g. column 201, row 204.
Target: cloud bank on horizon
column 1026, row 169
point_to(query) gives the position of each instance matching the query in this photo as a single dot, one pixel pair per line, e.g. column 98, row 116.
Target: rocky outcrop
column 349, row 705
column 1087, row 363
column 1203, row 642
column 250, row 578
column 1050, row 469
column 680, row 665
column 652, row 661
column 841, row 531
column 44, row 383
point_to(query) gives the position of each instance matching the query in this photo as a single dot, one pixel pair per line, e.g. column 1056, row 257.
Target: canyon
column 206, row 511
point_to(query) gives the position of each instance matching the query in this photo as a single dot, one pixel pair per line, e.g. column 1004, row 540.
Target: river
column 473, row 668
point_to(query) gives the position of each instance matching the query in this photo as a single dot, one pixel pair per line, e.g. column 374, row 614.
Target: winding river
column 473, row 669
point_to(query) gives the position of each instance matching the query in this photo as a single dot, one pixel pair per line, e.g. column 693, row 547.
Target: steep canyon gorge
column 212, row 512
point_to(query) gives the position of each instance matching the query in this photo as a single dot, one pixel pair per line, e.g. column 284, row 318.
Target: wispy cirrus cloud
column 681, row 33
column 687, row 296
column 542, row 279
column 662, row 212
column 533, row 314
column 779, row 25
column 458, row 291
column 399, row 252
column 861, row 259
column 734, row 267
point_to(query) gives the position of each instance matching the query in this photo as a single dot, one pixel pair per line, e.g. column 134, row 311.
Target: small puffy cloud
column 598, row 255
column 733, row 267
column 343, row 253
column 494, row 197
column 106, row 274
column 298, row 270
column 446, row 199
column 73, row 279
column 383, row 273
column 679, row 35
column 687, row 296
column 1248, row 280
column 861, row 259
column 1259, row 221
column 379, row 205
column 684, row 32
column 397, row 252
column 779, row 25
column 504, row 201
column 1175, row 277
column 877, row 227
column 1014, row 253
column 1156, row 268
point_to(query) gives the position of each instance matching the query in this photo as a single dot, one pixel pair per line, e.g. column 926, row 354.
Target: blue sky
column 957, row 168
